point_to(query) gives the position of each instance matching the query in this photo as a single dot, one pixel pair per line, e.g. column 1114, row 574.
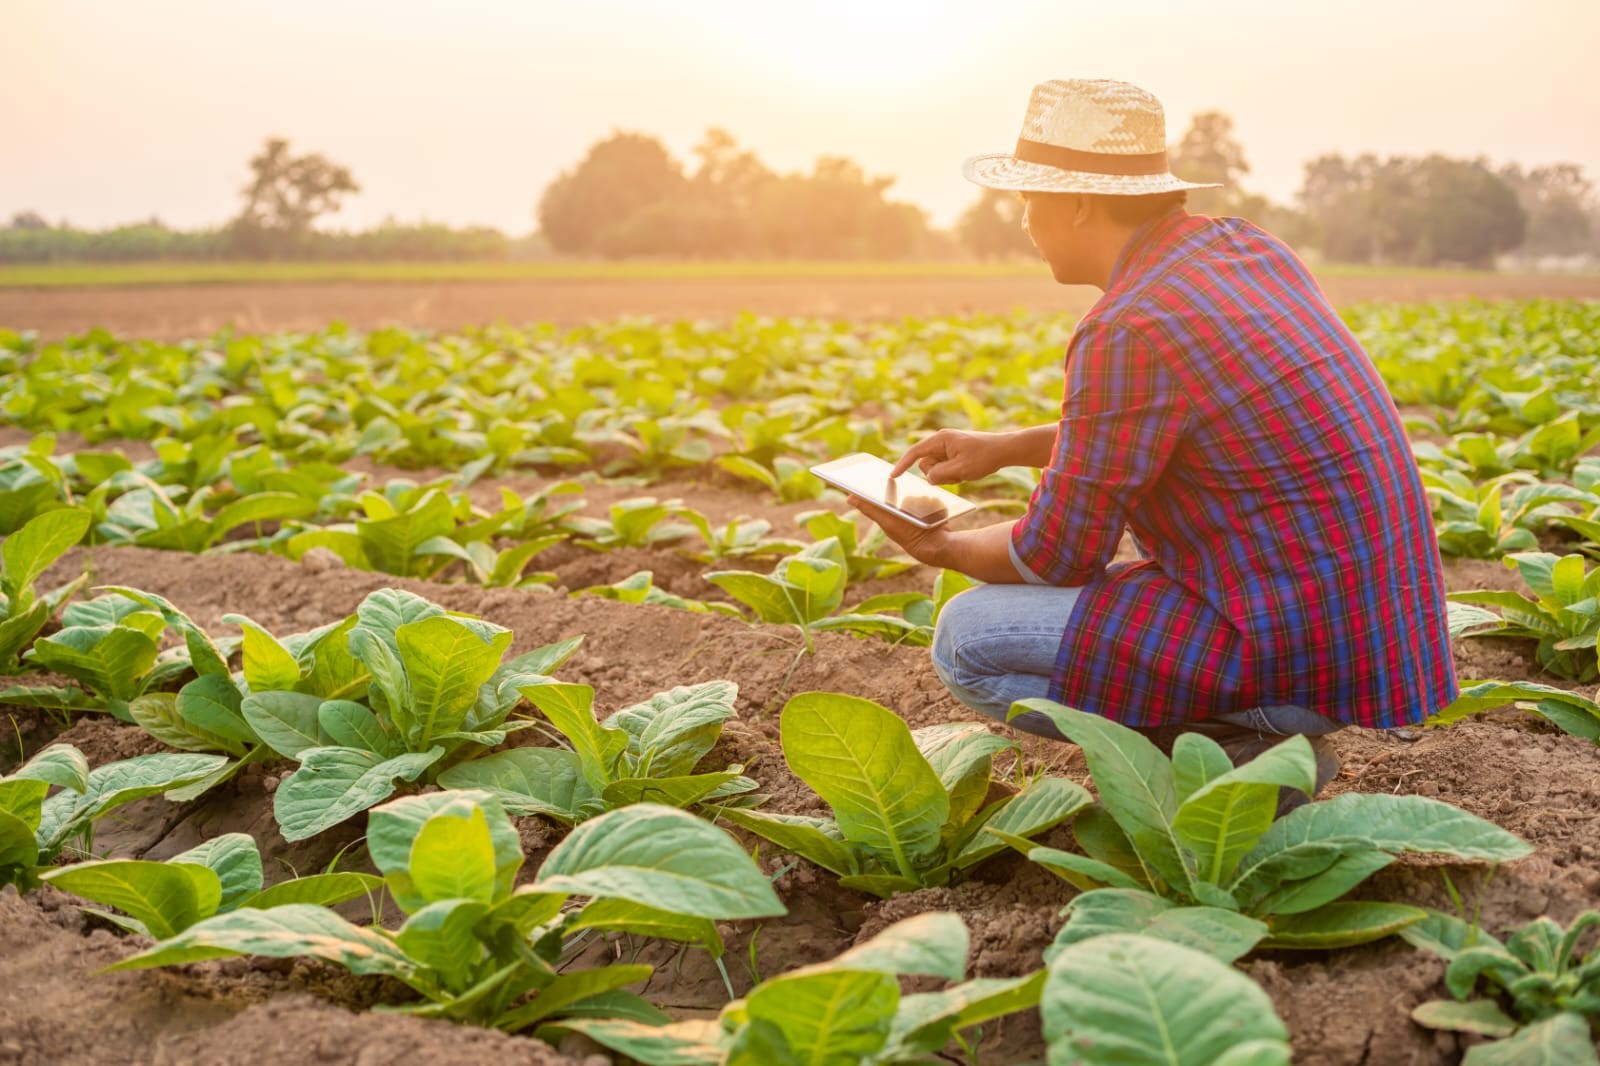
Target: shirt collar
column 1146, row 243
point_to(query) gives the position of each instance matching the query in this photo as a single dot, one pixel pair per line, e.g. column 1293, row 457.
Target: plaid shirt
column 1218, row 407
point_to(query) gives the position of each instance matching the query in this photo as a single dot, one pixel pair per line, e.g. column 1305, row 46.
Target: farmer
column 1216, row 407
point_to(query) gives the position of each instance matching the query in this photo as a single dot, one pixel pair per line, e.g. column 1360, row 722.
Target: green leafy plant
column 1571, row 712
column 1196, row 831
column 790, row 480
column 741, row 538
column 909, row 808
column 643, row 753
column 1564, row 619
column 641, row 522
column 435, row 691
column 848, row 1009
column 1477, row 521
column 151, row 517
column 478, row 950
column 1124, row 998
column 861, row 559
column 26, row 554
column 35, row 827
column 161, row 899
column 639, row 587
column 110, row 645
column 1543, row 994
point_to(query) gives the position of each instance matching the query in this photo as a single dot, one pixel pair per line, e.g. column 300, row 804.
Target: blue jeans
column 997, row 644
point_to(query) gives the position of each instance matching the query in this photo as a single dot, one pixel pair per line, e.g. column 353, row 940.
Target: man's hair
column 1134, row 210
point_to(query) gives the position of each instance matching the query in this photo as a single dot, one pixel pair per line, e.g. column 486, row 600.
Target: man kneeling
column 1217, row 407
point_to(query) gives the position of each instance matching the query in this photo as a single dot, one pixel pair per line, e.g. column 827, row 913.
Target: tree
column 619, row 176
column 992, row 227
column 1208, row 152
column 28, row 220
column 1558, row 201
column 836, row 212
column 287, row 194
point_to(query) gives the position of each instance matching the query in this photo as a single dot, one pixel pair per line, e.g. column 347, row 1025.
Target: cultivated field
column 642, row 486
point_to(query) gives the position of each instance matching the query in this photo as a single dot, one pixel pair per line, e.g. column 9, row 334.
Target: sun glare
column 860, row 44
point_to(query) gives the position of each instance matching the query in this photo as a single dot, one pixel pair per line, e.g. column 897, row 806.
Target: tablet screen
column 908, row 495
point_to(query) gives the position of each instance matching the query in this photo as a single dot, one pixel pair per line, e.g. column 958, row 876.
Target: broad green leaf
column 860, row 758
column 440, row 937
column 767, row 597
column 59, row 764
column 1125, row 998
column 1445, row 935
column 1196, row 761
column 828, row 1018
column 670, row 791
column 543, row 660
column 671, row 731
column 1078, row 870
column 352, row 725
column 692, row 1043
column 111, row 786
column 268, row 665
column 1481, row 1016
column 18, row 848
column 383, row 612
column 1394, row 824
column 259, row 507
column 111, row 660
column 165, row 897
column 1135, row 782
column 1562, row 1040
column 283, row 932
column 334, row 672
column 1222, row 820
column 24, row 799
column 545, row 781
column 570, row 989
column 933, row 945
column 569, row 708
column 234, row 858
column 884, row 886
column 333, row 784
column 1043, row 803
column 213, row 704
column 157, row 713
column 325, row 890
column 393, row 829
column 927, row 1021
column 392, row 542
column 453, row 858
column 621, row 915
column 287, row 722
column 1340, row 925
column 446, row 661
column 42, row 540
column 661, row 857
column 18, row 631
column 208, row 660
column 1343, row 874
column 815, row 839
column 1223, row 934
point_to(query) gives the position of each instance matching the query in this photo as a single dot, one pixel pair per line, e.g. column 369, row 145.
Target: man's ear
column 1082, row 210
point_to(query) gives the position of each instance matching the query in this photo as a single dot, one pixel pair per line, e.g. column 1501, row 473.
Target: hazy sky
column 463, row 110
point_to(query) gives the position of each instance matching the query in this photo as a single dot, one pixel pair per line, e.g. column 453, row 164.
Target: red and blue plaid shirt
column 1217, row 407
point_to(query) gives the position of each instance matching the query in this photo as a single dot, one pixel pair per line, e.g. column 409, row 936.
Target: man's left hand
column 927, row 546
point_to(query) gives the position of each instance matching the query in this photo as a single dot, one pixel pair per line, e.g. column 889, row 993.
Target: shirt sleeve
column 1122, row 416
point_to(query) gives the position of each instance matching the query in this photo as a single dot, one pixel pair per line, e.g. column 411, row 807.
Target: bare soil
column 1342, row 1007
column 173, row 312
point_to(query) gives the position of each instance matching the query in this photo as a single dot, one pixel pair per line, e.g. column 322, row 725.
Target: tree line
column 629, row 197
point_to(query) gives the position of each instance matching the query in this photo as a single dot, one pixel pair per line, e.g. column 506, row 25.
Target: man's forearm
column 983, row 553
column 1033, row 447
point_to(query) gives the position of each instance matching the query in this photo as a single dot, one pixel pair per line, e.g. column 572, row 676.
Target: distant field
column 73, row 275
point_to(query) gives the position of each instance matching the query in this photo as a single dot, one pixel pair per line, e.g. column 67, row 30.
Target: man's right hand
column 952, row 455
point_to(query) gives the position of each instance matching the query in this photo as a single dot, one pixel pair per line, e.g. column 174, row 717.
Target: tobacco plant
column 1542, row 995
column 477, row 948
column 910, row 809
column 1564, row 619
column 848, row 1009
column 35, row 827
column 26, row 554
column 1194, row 831
column 643, row 753
column 161, row 899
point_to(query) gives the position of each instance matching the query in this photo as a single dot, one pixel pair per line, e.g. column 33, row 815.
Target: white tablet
column 908, row 495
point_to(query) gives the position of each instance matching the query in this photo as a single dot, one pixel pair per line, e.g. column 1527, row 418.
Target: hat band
column 1053, row 155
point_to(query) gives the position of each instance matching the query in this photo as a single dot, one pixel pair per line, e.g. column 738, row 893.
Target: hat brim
column 1011, row 174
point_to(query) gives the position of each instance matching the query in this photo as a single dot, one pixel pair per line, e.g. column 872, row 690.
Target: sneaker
column 1243, row 743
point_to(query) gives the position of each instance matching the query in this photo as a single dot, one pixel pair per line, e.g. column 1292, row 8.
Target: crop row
column 1185, row 850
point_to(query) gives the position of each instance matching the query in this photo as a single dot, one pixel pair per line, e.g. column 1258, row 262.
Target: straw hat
column 1089, row 136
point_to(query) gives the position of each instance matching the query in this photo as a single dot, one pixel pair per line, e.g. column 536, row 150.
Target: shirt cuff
column 1023, row 570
